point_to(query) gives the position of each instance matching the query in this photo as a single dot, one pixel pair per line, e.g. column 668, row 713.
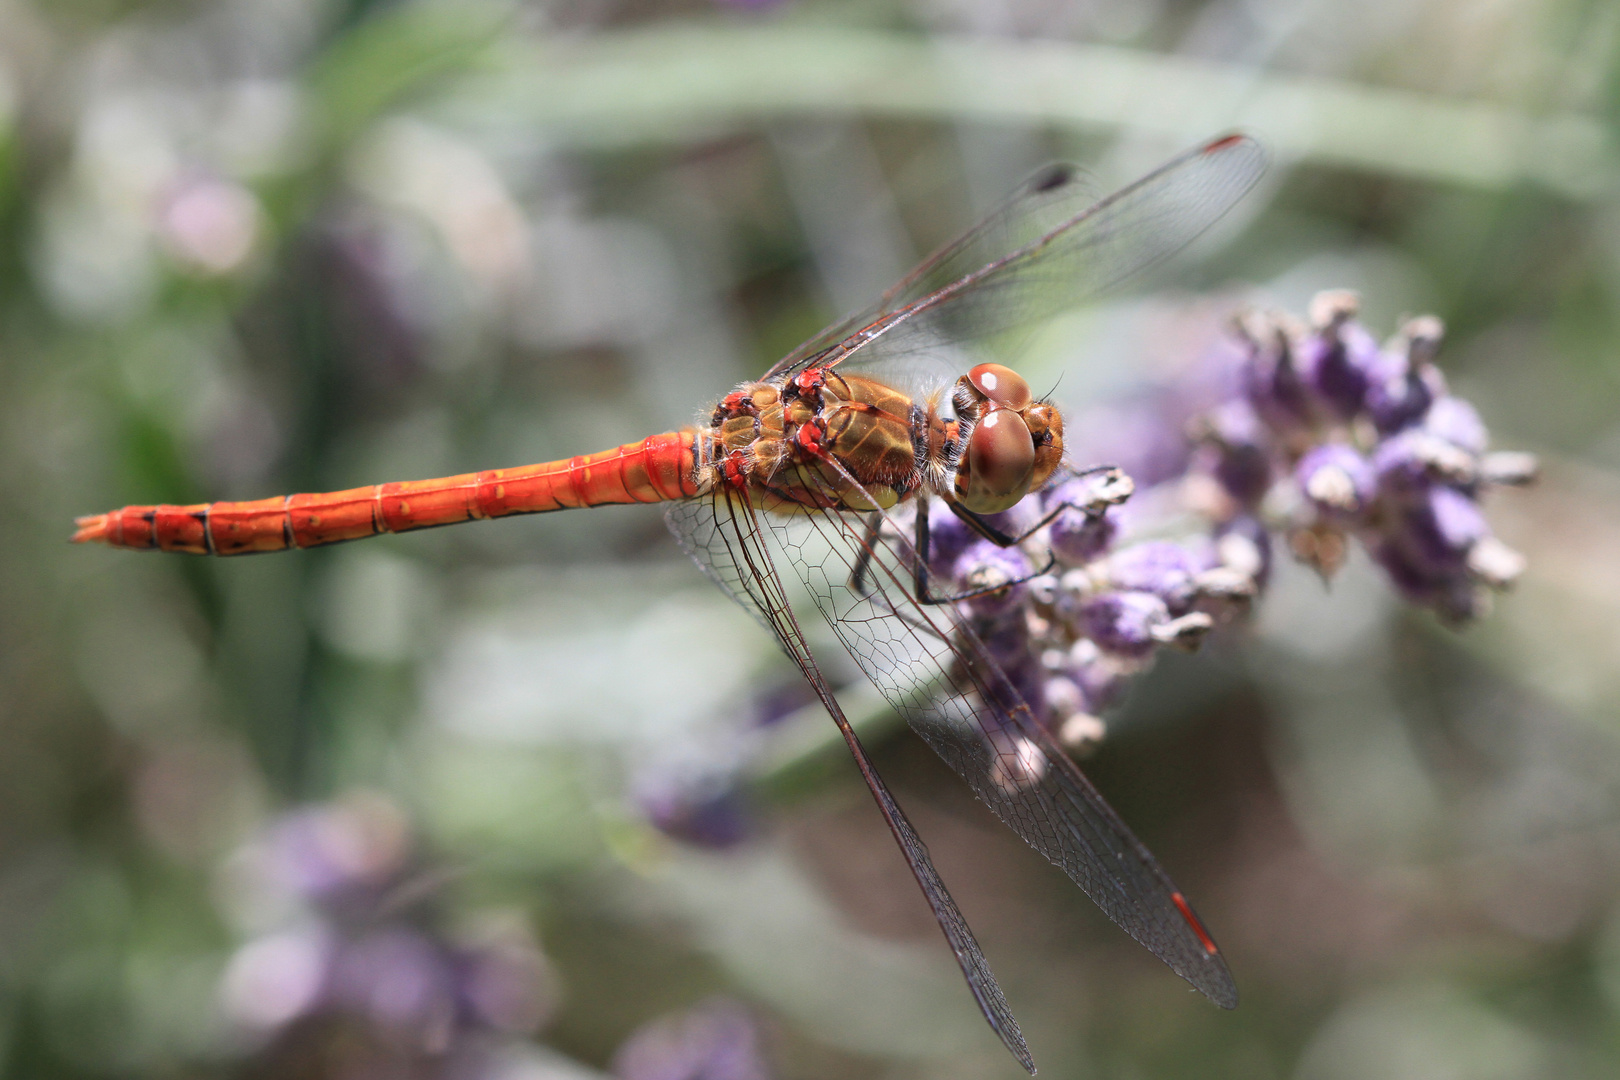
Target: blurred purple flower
column 716, row 1040
column 208, row 223
column 333, row 852
column 363, row 945
column 401, row 981
column 1242, row 456
column 1162, row 568
column 1338, row 481
column 1339, row 360
column 1404, row 383
column 1124, row 622
column 710, row 811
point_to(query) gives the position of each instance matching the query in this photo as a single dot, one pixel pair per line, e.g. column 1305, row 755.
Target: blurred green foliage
column 249, row 247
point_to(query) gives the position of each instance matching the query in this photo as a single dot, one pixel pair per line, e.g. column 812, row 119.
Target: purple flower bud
column 1029, row 680
column 1444, row 527
column 1416, row 583
column 1454, row 596
column 1337, row 362
column 1092, row 492
column 274, row 979
column 1273, row 382
column 1123, row 622
column 1457, row 422
column 1242, row 465
column 1457, row 518
column 1160, row 567
column 1244, row 544
column 1397, row 401
column 716, row 1040
column 1078, row 538
column 984, row 565
column 1101, row 677
column 1404, row 383
column 1429, row 553
column 1337, row 480
column 1407, row 463
column 1401, row 464
column 1007, row 639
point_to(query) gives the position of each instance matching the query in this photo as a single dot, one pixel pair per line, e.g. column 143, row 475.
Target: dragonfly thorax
column 830, row 441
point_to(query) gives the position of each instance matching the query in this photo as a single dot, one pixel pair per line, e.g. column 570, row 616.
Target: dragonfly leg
column 926, row 597
column 863, row 561
column 1000, row 538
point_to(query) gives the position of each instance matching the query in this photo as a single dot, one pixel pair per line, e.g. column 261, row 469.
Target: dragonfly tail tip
column 90, row 529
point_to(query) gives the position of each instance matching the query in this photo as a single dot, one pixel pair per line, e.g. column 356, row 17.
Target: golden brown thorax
column 778, row 441
column 827, row 440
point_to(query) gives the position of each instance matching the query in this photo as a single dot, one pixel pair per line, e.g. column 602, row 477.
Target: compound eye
column 1001, row 462
column 1002, row 385
column 1046, row 428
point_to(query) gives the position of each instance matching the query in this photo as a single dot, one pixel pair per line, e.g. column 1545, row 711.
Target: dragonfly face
column 1014, row 443
column 828, row 441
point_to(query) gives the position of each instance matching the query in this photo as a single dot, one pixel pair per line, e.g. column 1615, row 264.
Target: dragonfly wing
column 933, row 669
column 726, row 537
column 1050, row 246
column 700, row 527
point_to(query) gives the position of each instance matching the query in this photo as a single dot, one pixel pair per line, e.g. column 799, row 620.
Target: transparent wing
column 931, row 667
column 724, row 535
column 1047, row 248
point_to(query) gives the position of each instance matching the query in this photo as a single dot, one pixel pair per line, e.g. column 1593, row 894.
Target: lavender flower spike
column 1308, row 429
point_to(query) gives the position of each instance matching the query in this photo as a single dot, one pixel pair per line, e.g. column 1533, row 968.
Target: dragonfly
column 824, row 470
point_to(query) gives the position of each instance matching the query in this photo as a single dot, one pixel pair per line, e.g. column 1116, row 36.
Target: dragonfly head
column 1015, row 444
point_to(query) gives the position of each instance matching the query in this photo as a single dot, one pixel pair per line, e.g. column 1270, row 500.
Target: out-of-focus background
column 388, row 809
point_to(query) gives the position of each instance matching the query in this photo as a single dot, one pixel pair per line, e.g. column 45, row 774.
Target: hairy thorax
column 823, row 440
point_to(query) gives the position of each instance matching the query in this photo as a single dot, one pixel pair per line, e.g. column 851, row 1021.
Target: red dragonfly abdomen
column 656, row 469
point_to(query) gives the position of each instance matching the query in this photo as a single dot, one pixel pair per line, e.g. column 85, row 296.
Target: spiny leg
column 921, row 579
column 863, row 561
column 1003, row 539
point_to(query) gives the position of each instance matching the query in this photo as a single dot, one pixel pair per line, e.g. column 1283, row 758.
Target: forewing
column 1046, row 249
column 932, row 668
column 726, row 537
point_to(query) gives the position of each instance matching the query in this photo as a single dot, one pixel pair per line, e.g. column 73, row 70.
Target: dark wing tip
column 1222, row 991
column 1054, row 176
column 1018, row 1048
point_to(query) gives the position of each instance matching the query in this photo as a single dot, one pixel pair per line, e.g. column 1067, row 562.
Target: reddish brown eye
column 1002, row 385
column 1000, row 460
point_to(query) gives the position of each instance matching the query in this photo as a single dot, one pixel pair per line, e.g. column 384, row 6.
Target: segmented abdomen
column 656, row 469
